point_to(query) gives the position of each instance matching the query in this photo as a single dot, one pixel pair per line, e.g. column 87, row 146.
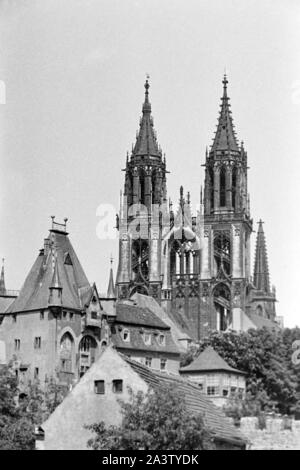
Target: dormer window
column 67, row 259
column 147, row 339
column 126, row 336
column 162, row 340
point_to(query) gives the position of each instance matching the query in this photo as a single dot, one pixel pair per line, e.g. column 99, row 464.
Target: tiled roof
column 261, row 322
column 150, row 303
column 196, row 402
column 137, row 342
column 132, row 314
column 209, row 360
column 35, row 291
column 5, row 302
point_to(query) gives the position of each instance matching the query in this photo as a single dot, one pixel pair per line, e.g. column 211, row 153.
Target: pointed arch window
column 234, row 184
column 211, row 180
column 142, row 188
column 222, row 187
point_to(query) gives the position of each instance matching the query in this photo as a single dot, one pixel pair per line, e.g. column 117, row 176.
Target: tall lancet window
column 142, row 188
column 234, row 179
column 222, row 187
column 211, row 181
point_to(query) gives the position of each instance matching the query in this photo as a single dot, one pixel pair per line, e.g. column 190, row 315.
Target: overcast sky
column 74, row 72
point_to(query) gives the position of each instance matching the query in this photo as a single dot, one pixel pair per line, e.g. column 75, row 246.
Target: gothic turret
column 225, row 137
column 140, row 212
column 111, row 293
column 225, row 188
column 261, row 278
column 262, row 299
column 145, row 179
column 225, row 259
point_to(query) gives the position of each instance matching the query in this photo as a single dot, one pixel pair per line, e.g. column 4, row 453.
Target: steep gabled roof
column 34, row 294
column 209, row 360
column 196, row 402
column 225, row 138
column 128, row 313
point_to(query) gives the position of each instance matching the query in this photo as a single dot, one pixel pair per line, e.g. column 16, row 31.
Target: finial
column 111, row 259
column 225, row 81
column 147, row 86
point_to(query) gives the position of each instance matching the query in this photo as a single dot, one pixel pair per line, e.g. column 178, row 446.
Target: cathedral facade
column 197, row 266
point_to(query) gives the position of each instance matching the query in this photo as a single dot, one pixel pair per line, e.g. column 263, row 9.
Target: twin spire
column 225, row 138
column 146, row 142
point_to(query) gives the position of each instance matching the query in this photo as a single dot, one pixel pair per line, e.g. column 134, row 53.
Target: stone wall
column 274, row 437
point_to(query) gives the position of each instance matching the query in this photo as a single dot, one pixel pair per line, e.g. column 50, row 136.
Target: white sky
column 74, row 72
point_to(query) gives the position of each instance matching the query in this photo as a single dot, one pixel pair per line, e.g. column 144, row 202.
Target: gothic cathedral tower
column 139, row 221
column 225, row 234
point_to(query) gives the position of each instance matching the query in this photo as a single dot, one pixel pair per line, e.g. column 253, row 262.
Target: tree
column 20, row 413
column 265, row 356
column 156, row 420
column 16, row 429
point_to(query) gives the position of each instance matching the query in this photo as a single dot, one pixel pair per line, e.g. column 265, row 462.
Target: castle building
column 196, row 266
column 57, row 326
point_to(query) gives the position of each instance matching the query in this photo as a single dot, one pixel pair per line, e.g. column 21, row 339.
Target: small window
column 17, row 344
column 200, row 385
column 148, row 361
column 163, row 363
column 36, row 372
column 212, row 391
column 126, row 336
column 94, row 315
column 37, row 342
column 118, row 386
column 14, row 318
column 147, row 338
column 65, row 315
column 232, row 390
column 99, row 386
column 68, row 259
column 225, row 392
column 71, row 316
column 42, row 315
column 162, row 339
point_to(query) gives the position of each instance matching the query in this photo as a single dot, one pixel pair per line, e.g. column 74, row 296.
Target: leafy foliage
column 152, row 421
column 272, row 379
column 20, row 413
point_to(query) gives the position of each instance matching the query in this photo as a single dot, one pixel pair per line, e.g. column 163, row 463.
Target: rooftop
column 196, row 402
column 208, row 361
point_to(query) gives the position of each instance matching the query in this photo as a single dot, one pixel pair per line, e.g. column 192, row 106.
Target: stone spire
column 111, row 293
column 2, row 279
column 261, row 269
column 146, row 142
column 225, row 138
